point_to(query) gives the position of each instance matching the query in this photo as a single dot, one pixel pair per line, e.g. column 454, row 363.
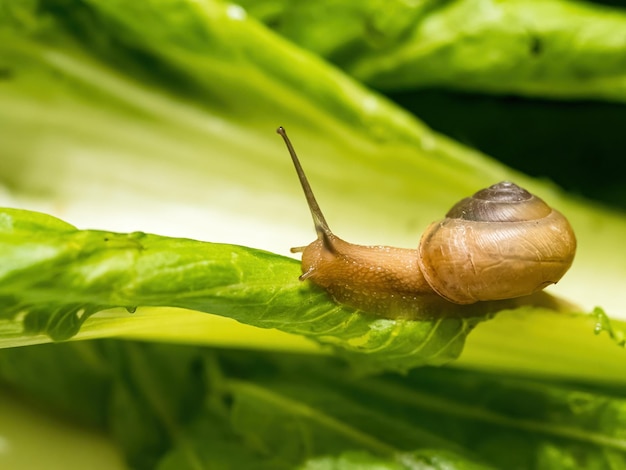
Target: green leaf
column 55, row 277
column 294, row 410
column 427, row 459
column 553, row 48
column 188, row 407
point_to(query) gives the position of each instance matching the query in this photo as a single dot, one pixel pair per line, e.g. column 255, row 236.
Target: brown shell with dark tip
column 501, row 243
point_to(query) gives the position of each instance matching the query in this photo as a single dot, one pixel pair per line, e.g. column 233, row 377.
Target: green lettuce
column 55, row 277
column 129, row 120
column 552, row 48
column 68, row 275
column 175, row 406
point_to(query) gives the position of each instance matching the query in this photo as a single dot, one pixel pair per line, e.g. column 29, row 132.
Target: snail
column 501, row 243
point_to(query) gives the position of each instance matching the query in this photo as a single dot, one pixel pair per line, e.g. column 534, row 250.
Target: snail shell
column 501, row 243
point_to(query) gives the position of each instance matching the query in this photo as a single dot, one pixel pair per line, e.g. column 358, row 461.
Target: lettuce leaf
column 553, row 48
column 173, row 406
column 55, row 277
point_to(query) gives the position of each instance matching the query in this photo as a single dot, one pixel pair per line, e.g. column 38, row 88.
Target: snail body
column 501, row 243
